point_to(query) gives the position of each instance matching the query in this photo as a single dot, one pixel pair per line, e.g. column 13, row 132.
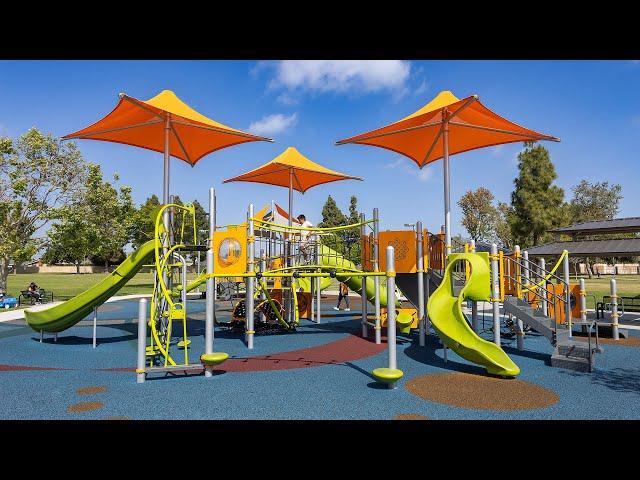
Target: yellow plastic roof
column 306, row 173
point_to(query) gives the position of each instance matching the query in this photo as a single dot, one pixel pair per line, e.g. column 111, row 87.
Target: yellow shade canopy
column 142, row 124
column 293, row 170
column 470, row 124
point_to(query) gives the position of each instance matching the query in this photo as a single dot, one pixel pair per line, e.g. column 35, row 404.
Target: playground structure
column 283, row 267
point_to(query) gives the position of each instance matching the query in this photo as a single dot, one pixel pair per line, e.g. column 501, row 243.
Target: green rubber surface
column 448, row 320
column 67, row 314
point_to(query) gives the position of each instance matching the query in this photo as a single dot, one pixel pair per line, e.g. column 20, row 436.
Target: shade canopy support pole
column 447, row 192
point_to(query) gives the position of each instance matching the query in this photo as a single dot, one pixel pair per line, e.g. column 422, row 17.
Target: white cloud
column 273, row 124
column 496, row 150
column 341, row 75
column 409, row 167
column 422, row 88
column 286, row 98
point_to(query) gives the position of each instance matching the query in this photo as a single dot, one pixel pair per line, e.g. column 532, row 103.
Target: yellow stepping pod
column 215, row 358
column 387, row 375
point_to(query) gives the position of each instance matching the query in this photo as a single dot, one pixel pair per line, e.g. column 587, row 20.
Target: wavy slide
column 447, row 318
column 67, row 314
column 330, row 258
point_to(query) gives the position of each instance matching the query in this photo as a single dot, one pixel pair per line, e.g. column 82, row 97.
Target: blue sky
column 593, row 106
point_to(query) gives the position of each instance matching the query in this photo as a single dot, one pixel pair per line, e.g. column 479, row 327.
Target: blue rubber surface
column 345, row 391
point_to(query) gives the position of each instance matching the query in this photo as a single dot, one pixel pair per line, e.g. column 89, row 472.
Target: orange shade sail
column 293, row 170
column 142, row 124
column 470, row 124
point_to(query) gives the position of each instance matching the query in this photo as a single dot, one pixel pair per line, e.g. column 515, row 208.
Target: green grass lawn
column 67, row 285
column 628, row 285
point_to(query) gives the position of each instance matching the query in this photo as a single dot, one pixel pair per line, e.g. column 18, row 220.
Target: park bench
column 625, row 304
column 28, row 296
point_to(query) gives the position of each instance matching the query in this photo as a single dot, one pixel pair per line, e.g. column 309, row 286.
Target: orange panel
column 558, row 289
column 404, row 244
column 304, row 301
column 412, row 311
column 230, row 250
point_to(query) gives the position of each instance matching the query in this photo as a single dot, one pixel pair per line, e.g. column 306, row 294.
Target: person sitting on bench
column 34, row 292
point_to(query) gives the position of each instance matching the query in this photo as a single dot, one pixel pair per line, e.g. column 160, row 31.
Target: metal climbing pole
column 376, row 267
column 250, row 279
column 420, row 273
column 495, row 294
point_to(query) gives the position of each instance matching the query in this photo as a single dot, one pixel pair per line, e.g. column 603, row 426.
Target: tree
column 38, row 174
column 71, row 239
column 538, row 205
column 479, row 216
column 96, row 223
column 112, row 214
column 143, row 228
column 595, row 201
column 503, row 225
column 332, row 216
column 352, row 237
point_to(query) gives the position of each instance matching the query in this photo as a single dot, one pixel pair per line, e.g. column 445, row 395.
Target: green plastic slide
column 67, row 314
column 448, row 320
column 330, row 258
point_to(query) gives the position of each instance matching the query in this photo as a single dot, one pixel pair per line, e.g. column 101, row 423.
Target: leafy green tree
column 332, row 216
column 538, row 205
column 72, row 238
column 503, row 233
column 346, row 242
column 143, row 227
column 112, row 214
column 595, row 201
column 479, row 216
column 96, row 223
column 38, row 174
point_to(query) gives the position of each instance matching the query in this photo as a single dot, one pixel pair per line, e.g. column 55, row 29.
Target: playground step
column 577, row 364
column 542, row 325
column 570, row 348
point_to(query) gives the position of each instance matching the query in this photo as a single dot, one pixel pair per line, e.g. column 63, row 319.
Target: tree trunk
column 589, row 271
column 4, row 273
column 77, row 268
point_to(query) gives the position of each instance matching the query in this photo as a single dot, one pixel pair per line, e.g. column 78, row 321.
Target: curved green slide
column 448, row 320
column 67, row 314
column 330, row 258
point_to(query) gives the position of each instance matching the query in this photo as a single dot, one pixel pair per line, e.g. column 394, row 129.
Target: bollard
column 495, row 297
column 95, row 325
column 142, row 340
column 583, row 305
column 614, row 310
